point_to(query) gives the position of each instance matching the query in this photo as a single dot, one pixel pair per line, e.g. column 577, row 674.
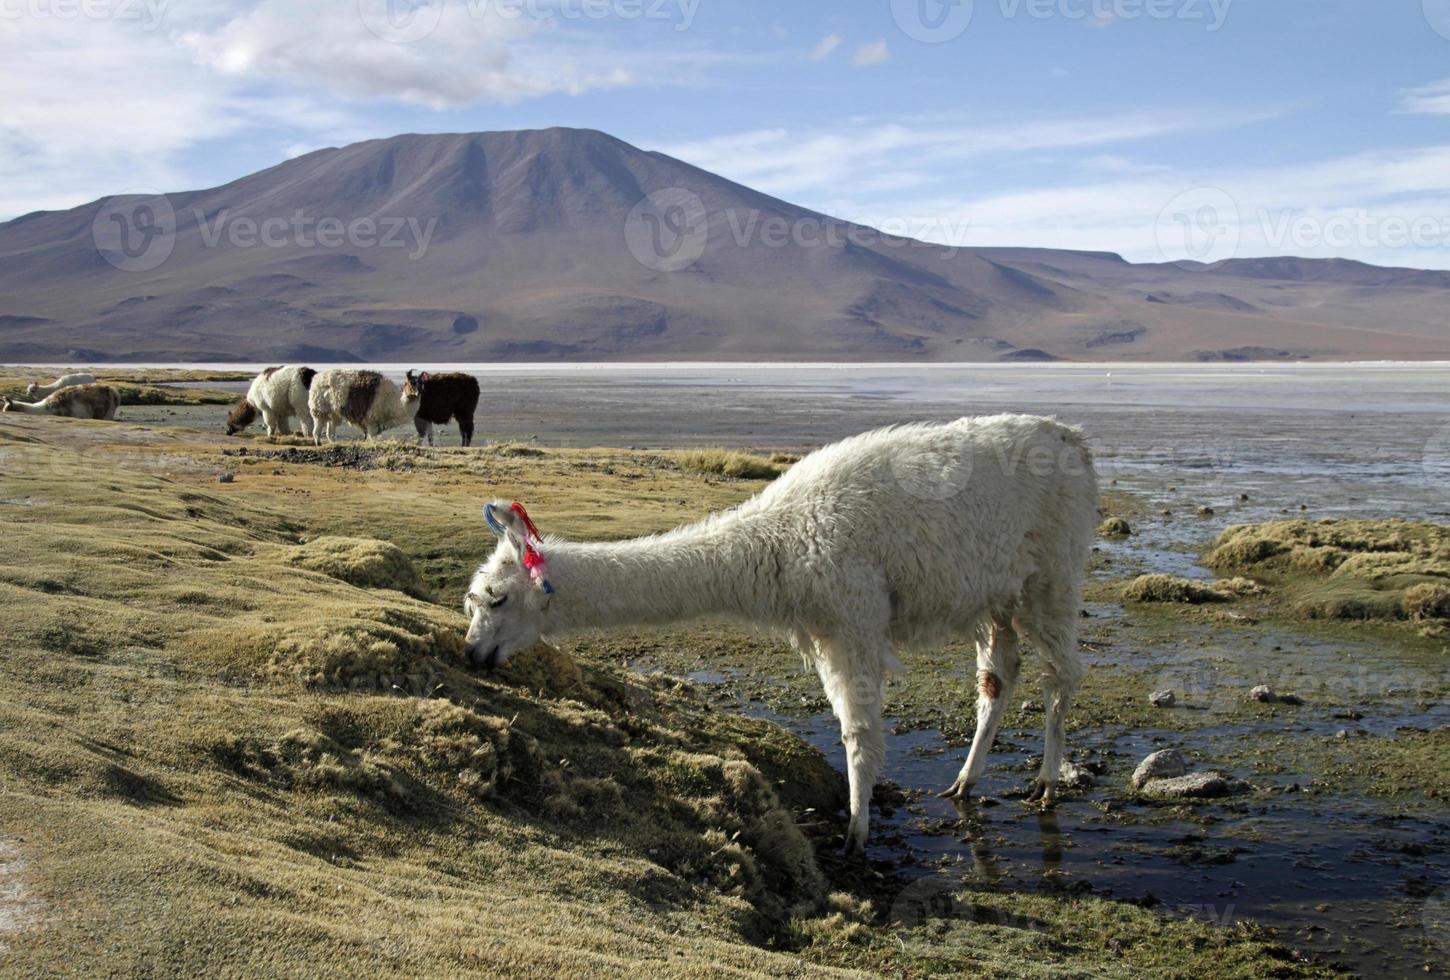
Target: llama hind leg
column 854, row 681
column 1051, row 625
column 998, row 664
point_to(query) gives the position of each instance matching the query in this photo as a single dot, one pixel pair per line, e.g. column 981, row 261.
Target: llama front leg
column 998, row 664
column 1053, row 631
column 853, row 681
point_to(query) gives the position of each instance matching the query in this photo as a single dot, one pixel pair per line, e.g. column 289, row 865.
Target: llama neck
column 29, row 408
column 697, row 571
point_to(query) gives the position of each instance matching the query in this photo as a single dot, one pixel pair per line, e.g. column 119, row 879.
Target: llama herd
column 318, row 400
column 900, row 537
column 368, row 401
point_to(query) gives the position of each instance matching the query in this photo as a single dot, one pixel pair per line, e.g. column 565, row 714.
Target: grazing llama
column 366, row 399
column 900, row 537
column 38, row 390
column 278, row 394
column 76, row 402
column 441, row 398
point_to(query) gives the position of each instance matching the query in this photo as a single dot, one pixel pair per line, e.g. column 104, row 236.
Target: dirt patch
column 18, row 909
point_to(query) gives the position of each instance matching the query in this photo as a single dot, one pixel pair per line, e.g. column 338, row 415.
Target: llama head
column 242, row 415
column 510, row 592
column 413, row 386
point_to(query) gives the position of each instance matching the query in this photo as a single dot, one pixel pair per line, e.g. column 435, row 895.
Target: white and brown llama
column 76, row 402
column 896, row 538
column 38, row 390
column 365, row 399
column 278, row 395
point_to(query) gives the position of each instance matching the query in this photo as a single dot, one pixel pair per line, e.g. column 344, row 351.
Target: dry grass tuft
column 728, row 463
column 1168, row 588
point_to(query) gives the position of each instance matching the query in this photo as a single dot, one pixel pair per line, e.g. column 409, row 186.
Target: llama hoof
column 959, row 790
column 1042, row 792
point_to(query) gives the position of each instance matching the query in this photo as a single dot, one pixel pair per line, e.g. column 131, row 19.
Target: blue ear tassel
column 493, row 523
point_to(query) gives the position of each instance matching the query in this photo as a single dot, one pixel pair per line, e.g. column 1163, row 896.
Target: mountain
column 570, row 244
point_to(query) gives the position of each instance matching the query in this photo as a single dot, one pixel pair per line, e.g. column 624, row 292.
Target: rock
column 226, row 477
column 1074, row 776
column 1165, row 513
column 1205, row 512
column 1162, row 699
column 1031, row 705
column 1347, row 715
column 1265, row 695
column 1198, row 786
column 1243, row 498
column 1160, row 765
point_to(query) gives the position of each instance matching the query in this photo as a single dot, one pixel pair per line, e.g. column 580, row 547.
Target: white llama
column 900, row 537
column 278, row 394
column 38, row 390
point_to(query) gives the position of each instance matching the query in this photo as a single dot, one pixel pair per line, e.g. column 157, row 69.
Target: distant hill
column 538, row 248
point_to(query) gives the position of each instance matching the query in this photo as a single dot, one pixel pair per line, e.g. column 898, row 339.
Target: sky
column 1158, row 129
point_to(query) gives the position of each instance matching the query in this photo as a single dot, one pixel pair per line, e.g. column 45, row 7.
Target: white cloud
column 1430, row 100
column 825, row 47
column 786, row 162
column 875, row 53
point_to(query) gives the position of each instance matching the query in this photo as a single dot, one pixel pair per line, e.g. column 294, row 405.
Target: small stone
column 1264, row 694
column 226, row 477
column 1031, row 705
column 1205, row 512
column 1166, row 513
column 1074, row 776
column 1160, row 765
column 1162, row 699
column 1198, row 785
column 1243, row 498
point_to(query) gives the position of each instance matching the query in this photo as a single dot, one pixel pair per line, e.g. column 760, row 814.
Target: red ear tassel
column 518, row 509
column 533, row 559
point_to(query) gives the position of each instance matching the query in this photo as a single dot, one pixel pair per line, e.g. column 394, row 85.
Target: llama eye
column 494, row 604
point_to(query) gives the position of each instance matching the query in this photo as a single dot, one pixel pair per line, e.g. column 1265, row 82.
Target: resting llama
column 900, row 537
column 64, row 381
column 441, row 398
column 278, row 394
column 366, row 399
column 76, row 402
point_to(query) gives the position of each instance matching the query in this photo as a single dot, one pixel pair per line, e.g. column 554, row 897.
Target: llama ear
column 506, row 524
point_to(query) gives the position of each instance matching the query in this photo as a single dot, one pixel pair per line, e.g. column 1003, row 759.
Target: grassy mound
column 364, row 562
column 728, row 463
column 1353, row 570
column 1168, row 588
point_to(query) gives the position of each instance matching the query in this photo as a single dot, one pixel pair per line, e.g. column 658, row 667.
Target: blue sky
column 1155, row 128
